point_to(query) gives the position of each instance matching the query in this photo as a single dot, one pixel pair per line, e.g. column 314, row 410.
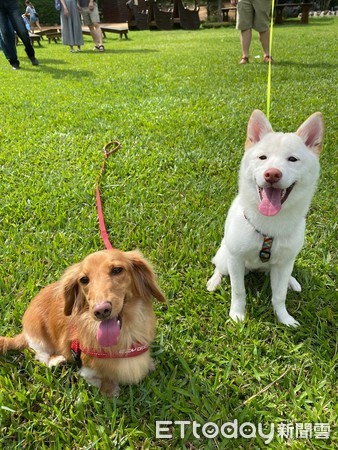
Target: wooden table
column 225, row 12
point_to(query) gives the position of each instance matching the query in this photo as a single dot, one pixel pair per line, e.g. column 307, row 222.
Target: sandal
column 244, row 60
column 268, row 59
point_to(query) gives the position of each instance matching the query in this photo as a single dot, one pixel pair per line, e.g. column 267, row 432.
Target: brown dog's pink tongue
column 108, row 332
column 271, row 203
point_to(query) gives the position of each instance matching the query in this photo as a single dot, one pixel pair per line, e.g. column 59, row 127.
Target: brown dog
column 100, row 314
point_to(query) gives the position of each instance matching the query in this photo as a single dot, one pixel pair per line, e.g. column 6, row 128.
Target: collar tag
column 265, row 252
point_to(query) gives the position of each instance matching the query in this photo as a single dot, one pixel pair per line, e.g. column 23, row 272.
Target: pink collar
column 135, row 350
column 77, row 348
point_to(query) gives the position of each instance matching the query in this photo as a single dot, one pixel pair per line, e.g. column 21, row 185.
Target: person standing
column 11, row 21
column 71, row 28
column 91, row 19
column 253, row 14
column 33, row 15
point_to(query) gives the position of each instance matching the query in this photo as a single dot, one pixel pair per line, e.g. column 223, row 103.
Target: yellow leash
column 268, row 95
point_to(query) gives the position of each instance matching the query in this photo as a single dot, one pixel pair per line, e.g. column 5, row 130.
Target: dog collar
column 77, row 348
column 265, row 252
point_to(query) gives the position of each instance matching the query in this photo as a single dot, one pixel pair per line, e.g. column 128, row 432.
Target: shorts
column 253, row 14
column 90, row 17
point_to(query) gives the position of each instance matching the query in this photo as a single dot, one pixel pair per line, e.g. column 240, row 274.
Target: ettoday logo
column 165, row 429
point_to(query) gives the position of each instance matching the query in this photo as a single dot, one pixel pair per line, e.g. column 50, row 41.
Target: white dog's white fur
column 265, row 206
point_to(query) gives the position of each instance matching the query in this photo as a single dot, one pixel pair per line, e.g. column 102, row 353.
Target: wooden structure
column 114, row 11
column 148, row 15
column 226, row 11
column 117, row 28
column 186, row 18
column 305, row 9
column 137, row 15
column 159, row 18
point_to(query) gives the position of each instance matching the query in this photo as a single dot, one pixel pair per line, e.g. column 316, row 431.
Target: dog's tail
column 12, row 343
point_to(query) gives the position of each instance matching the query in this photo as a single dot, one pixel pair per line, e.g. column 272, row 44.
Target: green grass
column 179, row 104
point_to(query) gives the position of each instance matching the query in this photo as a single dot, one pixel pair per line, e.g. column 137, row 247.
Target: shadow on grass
column 119, row 51
column 314, row 65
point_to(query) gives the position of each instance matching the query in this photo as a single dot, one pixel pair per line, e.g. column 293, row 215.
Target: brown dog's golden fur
column 123, row 280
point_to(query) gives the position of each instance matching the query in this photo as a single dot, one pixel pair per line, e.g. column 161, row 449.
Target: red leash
column 108, row 149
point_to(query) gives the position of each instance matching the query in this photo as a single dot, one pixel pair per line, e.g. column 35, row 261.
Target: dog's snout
column 102, row 310
column 272, row 175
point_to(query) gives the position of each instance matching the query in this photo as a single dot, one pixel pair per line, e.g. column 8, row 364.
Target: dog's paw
column 288, row 320
column 214, row 282
column 56, row 360
column 237, row 316
column 294, row 285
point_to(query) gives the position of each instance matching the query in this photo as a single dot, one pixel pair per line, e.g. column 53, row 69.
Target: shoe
column 34, row 61
column 15, row 65
column 244, row 60
column 100, row 48
column 268, row 59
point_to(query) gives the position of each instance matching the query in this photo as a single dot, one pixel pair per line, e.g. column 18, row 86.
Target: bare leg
column 96, row 34
column 246, row 36
column 264, row 37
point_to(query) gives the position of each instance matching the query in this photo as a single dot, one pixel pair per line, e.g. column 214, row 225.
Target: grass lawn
column 179, row 103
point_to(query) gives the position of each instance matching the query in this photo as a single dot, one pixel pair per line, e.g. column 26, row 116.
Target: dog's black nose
column 102, row 310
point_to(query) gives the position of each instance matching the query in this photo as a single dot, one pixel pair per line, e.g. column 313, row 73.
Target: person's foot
column 15, row 65
column 34, row 61
column 100, row 48
column 244, row 60
column 268, row 59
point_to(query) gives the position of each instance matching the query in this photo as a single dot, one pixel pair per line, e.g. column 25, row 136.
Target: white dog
column 265, row 226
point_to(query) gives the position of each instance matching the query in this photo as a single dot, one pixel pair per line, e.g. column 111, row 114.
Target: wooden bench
column 35, row 38
column 225, row 12
column 118, row 28
column 52, row 34
column 305, row 9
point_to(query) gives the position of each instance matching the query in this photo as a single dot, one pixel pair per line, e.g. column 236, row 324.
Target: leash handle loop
column 108, row 149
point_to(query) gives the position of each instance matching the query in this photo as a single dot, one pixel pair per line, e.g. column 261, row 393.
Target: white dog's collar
column 265, row 252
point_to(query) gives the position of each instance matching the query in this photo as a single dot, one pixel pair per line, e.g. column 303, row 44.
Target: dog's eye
column 116, row 270
column 263, row 157
column 292, row 159
column 84, row 280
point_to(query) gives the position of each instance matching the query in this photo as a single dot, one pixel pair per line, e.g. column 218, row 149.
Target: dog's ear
column 69, row 288
column 312, row 132
column 258, row 126
column 144, row 277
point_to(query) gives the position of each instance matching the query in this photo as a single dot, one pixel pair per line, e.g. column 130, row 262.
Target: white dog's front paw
column 294, row 285
column 237, row 316
column 287, row 319
column 214, row 282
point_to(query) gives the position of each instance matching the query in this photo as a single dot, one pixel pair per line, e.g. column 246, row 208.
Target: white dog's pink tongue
column 270, row 204
column 108, row 332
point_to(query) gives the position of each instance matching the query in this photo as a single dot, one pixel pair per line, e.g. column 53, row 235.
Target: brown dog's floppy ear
column 69, row 288
column 144, row 277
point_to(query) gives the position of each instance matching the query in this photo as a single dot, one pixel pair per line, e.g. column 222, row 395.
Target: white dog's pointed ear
column 312, row 132
column 258, row 126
